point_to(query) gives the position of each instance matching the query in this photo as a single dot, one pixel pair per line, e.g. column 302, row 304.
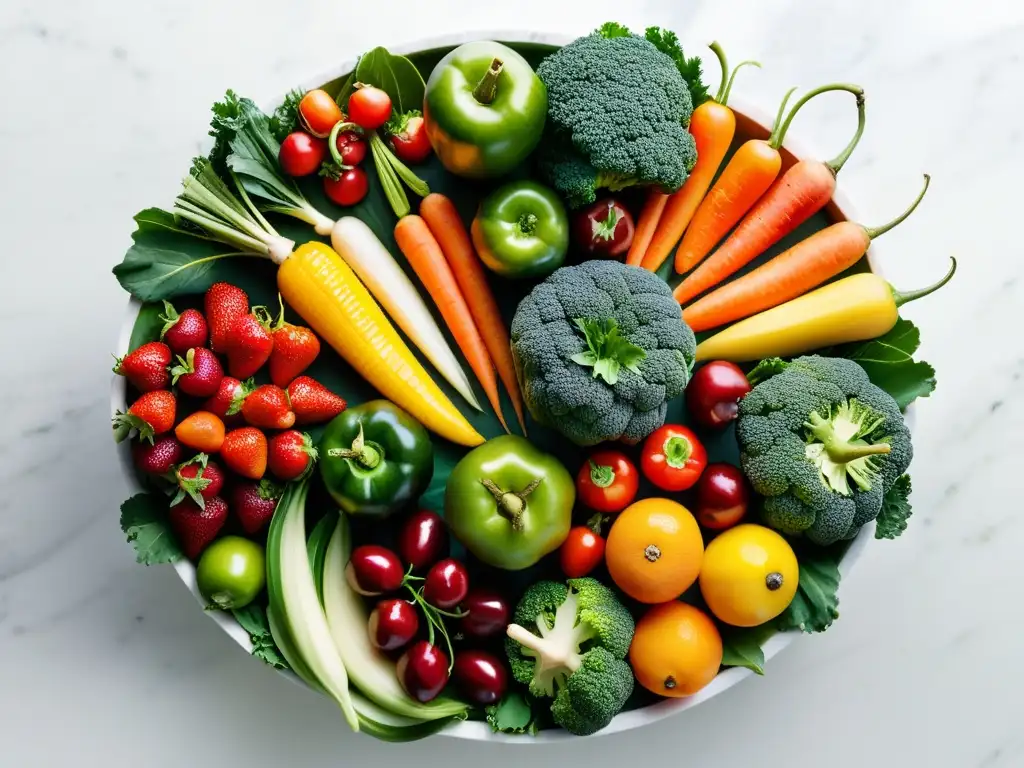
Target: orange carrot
column 646, row 226
column 426, row 258
column 792, row 273
column 797, row 195
column 748, row 175
column 712, row 125
column 443, row 219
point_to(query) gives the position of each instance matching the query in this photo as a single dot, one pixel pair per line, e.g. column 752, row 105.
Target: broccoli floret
column 618, row 108
column 600, row 348
column 822, row 444
column 568, row 644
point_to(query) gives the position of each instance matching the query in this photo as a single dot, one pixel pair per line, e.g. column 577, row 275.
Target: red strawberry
column 151, row 415
column 295, row 349
column 249, row 343
column 223, row 304
column 146, row 367
column 185, row 331
column 245, row 452
column 227, row 400
column 290, row 455
column 158, row 458
column 268, row 407
column 312, row 402
column 199, row 373
column 199, row 478
column 196, row 527
column 254, row 504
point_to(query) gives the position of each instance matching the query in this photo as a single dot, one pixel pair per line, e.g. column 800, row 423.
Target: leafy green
column 286, row 117
column 148, row 326
column 612, row 29
column 347, row 87
column 395, row 75
column 815, row 605
column 892, row 520
column 741, row 646
column 667, row 42
column 608, row 351
column 889, row 363
column 253, row 619
column 144, row 522
column 228, row 116
column 513, row 714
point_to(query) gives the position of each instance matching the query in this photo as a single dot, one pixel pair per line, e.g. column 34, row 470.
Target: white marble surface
column 103, row 662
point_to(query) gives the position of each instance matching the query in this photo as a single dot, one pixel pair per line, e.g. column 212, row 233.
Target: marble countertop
column 103, row 662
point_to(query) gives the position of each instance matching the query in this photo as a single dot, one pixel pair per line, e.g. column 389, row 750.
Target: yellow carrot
column 325, row 292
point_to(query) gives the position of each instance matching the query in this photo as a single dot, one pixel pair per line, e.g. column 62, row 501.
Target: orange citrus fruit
column 749, row 575
column 654, row 550
column 676, row 650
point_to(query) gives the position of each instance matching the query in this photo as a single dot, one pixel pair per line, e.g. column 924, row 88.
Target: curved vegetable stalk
column 355, row 242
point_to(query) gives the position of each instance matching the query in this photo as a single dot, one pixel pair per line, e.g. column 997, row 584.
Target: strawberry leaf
column 144, row 522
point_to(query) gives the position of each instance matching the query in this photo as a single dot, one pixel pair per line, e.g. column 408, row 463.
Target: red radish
column 199, row 373
column 447, row 584
column 480, row 676
column 295, row 349
column 318, row 112
column 393, row 624
column 196, row 527
column 151, row 415
column 301, row 154
column 245, row 452
column 290, row 455
column 223, row 304
column 227, row 400
column 373, row 570
column 422, row 539
column 268, row 407
column 185, row 331
column 347, row 187
column 199, row 479
column 254, row 504
column 714, row 393
column 369, row 107
column 408, row 137
column 312, row 402
column 487, row 614
column 158, row 458
column 423, row 671
column 249, row 343
column 604, row 229
column 146, row 367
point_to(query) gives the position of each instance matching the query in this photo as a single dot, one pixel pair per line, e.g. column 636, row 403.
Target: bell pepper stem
column 601, row 475
column 527, row 224
column 677, row 451
column 487, row 88
column 511, row 504
column 367, row 455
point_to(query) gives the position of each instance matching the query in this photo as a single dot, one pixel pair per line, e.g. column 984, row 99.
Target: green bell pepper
column 484, row 109
column 375, row 459
column 509, row 503
column 521, row 230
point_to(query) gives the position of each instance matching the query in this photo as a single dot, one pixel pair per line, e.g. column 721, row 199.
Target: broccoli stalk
column 840, row 451
column 557, row 650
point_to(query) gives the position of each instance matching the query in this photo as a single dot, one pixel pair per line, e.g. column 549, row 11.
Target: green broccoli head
column 822, row 444
column 618, row 108
column 600, row 348
column 568, row 644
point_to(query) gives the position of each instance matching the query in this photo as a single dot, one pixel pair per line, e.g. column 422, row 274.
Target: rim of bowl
column 840, row 208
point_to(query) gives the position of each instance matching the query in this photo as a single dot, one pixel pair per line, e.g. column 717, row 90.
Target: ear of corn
column 326, row 293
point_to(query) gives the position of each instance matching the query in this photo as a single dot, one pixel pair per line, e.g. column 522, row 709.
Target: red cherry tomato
column 301, row 154
column 607, row 482
column 369, row 108
column 722, row 497
column 582, row 551
column 409, row 139
column 351, row 146
column 714, row 393
column 673, row 458
column 318, row 112
column 349, row 188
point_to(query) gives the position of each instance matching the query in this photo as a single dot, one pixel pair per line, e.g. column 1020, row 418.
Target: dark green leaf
column 741, row 646
column 513, row 714
column 228, row 115
column 395, row 75
column 889, row 363
column 815, row 605
column 286, row 117
column 766, row 369
column 612, row 29
column 253, row 619
column 892, row 520
column 347, row 87
column 148, row 325
column 667, row 42
column 608, row 351
column 144, row 522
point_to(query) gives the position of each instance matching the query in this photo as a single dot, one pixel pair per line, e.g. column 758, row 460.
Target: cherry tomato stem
column 673, row 458
column 607, row 482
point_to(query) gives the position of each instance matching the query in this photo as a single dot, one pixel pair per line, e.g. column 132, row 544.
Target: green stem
column 779, row 135
column 511, row 505
column 332, row 140
column 252, row 206
column 724, row 82
column 601, row 475
column 902, row 297
column 841, row 451
column 401, row 170
column 836, row 163
column 389, row 181
column 527, row 224
column 732, row 78
column 677, row 451
column 366, row 454
column 782, row 110
column 487, row 88
column 874, row 232
column 224, row 234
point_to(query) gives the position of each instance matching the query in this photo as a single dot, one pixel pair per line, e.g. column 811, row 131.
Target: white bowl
column 479, row 731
